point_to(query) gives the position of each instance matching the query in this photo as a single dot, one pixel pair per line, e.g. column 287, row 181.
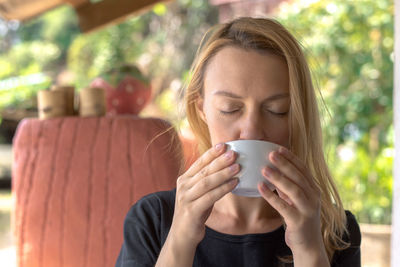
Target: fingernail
column 282, row 150
column 263, row 187
column 234, row 167
column 228, row 154
column 219, row 146
column 234, row 181
column 267, row 171
column 275, row 155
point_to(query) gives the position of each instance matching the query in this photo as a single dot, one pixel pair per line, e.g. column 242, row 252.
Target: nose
column 252, row 127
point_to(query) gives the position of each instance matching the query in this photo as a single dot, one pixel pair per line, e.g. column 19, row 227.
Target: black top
column 147, row 224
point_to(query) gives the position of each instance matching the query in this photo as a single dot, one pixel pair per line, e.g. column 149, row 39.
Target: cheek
column 278, row 132
column 220, row 129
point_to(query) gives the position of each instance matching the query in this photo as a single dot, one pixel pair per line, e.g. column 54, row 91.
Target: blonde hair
column 267, row 35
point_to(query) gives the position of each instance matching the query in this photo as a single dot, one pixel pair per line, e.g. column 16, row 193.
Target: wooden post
column 69, row 92
column 92, row 102
column 396, row 168
column 51, row 104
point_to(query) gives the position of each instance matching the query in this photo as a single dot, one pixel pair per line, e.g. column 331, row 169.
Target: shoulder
column 350, row 256
column 157, row 198
column 354, row 234
column 151, row 215
column 155, row 204
column 146, row 227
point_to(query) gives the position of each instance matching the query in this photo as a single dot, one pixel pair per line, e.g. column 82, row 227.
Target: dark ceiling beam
column 27, row 9
column 24, row 10
column 95, row 15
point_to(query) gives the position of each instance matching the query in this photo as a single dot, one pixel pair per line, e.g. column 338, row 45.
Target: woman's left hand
column 298, row 201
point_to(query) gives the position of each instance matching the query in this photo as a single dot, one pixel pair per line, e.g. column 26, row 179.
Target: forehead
column 246, row 72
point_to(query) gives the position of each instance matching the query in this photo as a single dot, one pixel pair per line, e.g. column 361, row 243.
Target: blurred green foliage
column 58, row 27
column 37, row 47
column 163, row 42
column 349, row 45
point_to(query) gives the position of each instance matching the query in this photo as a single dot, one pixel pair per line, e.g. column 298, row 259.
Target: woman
column 250, row 80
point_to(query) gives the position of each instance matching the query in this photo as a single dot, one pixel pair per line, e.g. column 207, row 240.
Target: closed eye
column 278, row 113
column 223, row 112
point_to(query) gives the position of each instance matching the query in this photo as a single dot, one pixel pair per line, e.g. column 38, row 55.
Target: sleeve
column 142, row 241
column 352, row 255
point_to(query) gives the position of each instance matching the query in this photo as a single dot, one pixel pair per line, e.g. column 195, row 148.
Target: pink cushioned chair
column 74, row 180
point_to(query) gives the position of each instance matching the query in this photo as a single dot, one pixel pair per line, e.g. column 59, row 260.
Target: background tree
column 163, row 42
column 350, row 47
column 38, row 47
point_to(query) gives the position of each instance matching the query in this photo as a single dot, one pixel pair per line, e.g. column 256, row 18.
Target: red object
column 127, row 91
column 74, row 180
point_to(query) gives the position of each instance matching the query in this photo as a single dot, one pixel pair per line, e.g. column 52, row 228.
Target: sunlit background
column 349, row 45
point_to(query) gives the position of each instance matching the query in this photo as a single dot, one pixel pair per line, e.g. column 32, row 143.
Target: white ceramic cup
column 252, row 157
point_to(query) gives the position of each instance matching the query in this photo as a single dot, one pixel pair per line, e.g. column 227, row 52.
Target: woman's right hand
column 206, row 181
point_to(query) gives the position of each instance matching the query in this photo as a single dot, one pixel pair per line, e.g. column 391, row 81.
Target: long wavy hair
column 268, row 35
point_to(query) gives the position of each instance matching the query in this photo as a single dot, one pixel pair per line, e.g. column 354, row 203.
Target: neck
column 244, row 215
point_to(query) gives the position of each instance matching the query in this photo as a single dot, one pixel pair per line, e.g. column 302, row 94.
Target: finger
column 209, row 183
column 205, row 159
column 207, row 200
column 275, row 201
column 221, row 162
column 287, row 168
column 293, row 158
column 295, row 193
column 299, row 165
column 284, row 197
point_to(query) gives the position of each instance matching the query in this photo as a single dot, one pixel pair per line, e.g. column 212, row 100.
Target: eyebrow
column 232, row 95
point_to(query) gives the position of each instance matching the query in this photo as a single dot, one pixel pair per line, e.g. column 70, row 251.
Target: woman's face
column 246, row 96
